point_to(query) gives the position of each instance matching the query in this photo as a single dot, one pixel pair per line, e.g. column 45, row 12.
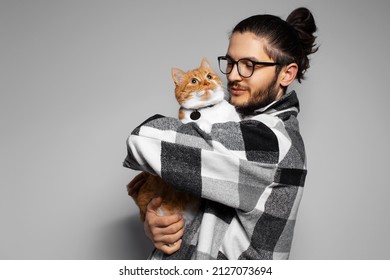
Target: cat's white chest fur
column 206, row 117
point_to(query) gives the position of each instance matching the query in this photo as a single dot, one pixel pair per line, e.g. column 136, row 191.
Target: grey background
column 77, row 76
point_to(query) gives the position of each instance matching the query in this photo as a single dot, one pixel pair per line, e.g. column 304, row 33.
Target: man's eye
column 247, row 63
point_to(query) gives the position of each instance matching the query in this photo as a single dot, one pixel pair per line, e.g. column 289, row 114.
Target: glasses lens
column 225, row 65
column 245, row 67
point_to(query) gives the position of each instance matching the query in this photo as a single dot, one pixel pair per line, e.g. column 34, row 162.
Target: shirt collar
column 289, row 101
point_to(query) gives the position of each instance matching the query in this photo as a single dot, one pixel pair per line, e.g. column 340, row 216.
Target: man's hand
column 164, row 231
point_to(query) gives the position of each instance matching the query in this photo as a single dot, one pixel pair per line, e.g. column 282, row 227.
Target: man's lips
column 236, row 90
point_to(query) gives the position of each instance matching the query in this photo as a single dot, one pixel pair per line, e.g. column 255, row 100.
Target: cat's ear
column 177, row 75
column 205, row 63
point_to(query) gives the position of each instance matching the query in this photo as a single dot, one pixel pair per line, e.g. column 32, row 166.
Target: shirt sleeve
column 232, row 165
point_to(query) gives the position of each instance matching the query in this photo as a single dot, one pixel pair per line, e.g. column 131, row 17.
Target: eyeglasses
column 245, row 66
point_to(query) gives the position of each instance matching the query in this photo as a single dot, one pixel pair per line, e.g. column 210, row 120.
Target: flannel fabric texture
column 249, row 175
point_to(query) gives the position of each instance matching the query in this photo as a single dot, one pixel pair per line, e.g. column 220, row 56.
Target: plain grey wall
column 77, row 76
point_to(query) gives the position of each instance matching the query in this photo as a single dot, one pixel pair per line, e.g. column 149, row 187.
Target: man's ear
column 288, row 74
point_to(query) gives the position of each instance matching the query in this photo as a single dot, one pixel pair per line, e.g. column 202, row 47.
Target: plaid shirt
column 249, row 174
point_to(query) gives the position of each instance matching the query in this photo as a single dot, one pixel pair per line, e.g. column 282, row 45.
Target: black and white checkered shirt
column 249, row 174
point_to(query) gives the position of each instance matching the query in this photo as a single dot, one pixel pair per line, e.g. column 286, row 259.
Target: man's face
column 263, row 86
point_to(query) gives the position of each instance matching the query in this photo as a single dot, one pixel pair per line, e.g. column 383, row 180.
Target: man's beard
column 258, row 100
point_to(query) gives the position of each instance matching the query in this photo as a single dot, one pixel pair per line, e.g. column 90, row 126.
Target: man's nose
column 234, row 75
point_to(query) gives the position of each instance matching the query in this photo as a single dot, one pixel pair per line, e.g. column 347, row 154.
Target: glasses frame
column 254, row 63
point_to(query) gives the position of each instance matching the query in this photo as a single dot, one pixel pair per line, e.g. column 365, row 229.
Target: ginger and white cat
column 201, row 97
column 202, row 100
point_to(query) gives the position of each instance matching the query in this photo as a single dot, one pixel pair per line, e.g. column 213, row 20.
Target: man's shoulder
column 268, row 120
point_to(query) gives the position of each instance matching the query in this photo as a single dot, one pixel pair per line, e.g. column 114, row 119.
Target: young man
column 250, row 175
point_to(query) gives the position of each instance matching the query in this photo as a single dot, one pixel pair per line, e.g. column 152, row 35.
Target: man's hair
column 290, row 41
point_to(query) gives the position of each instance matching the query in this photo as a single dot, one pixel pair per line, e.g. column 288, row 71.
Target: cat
column 202, row 100
column 201, row 97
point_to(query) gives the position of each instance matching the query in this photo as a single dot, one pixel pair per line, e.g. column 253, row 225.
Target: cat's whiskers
column 200, row 93
column 226, row 92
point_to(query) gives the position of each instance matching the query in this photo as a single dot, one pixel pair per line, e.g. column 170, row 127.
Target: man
column 250, row 175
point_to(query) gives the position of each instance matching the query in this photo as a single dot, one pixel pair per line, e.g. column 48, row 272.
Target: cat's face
column 197, row 88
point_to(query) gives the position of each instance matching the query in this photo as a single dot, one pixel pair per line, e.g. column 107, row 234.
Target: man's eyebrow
column 249, row 58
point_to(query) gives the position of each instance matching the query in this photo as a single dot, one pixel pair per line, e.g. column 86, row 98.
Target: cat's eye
column 209, row 76
column 194, row 81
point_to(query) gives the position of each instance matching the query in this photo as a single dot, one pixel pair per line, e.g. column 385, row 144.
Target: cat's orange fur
column 172, row 200
column 186, row 83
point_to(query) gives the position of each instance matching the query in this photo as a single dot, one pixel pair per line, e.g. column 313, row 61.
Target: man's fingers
column 171, row 238
column 168, row 248
column 153, row 205
column 165, row 231
column 166, row 235
column 169, row 224
column 156, row 220
column 171, row 228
